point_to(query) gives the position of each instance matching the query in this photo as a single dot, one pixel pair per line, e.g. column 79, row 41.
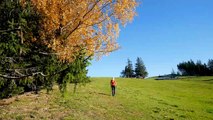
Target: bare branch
column 107, row 51
column 10, row 30
column 99, row 21
column 31, row 68
column 23, row 76
column 91, row 8
column 16, row 71
column 79, row 23
column 46, row 53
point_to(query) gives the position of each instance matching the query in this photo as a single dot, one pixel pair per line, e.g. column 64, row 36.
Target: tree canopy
column 140, row 68
column 195, row 69
column 47, row 41
column 128, row 71
column 67, row 26
column 139, row 71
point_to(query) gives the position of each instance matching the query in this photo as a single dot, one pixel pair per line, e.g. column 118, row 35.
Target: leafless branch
column 23, row 76
column 91, row 8
column 10, row 30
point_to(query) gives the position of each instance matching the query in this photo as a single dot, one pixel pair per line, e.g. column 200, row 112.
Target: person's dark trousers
column 113, row 90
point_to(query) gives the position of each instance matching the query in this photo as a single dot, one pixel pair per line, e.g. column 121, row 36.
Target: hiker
column 113, row 85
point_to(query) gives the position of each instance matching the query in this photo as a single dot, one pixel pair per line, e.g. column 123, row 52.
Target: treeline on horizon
column 139, row 71
column 191, row 68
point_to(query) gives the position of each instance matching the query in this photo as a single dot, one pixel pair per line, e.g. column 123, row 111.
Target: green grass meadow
column 188, row 98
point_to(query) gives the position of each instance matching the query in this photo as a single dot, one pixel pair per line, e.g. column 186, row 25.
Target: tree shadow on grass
column 208, row 80
column 100, row 93
column 104, row 94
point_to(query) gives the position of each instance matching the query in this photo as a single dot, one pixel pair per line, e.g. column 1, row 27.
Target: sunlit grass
column 186, row 98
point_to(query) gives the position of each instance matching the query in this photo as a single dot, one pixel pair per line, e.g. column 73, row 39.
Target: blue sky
column 165, row 33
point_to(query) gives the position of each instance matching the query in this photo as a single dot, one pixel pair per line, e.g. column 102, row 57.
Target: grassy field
column 187, row 98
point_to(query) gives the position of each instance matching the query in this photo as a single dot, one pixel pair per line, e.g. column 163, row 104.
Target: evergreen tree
column 15, row 21
column 128, row 71
column 194, row 69
column 74, row 72
column 27, row 65
column 140, row 69
column 210, row 66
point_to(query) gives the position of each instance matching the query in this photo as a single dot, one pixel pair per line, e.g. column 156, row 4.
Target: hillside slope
column 187, row 98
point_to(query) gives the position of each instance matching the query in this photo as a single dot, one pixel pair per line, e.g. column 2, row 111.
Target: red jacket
column 113, row 83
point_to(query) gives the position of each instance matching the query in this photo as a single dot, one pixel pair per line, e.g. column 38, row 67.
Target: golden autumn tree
column 34, row 34
column 68, row 26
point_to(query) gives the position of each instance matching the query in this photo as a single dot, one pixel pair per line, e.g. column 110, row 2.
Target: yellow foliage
column 68, row 26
